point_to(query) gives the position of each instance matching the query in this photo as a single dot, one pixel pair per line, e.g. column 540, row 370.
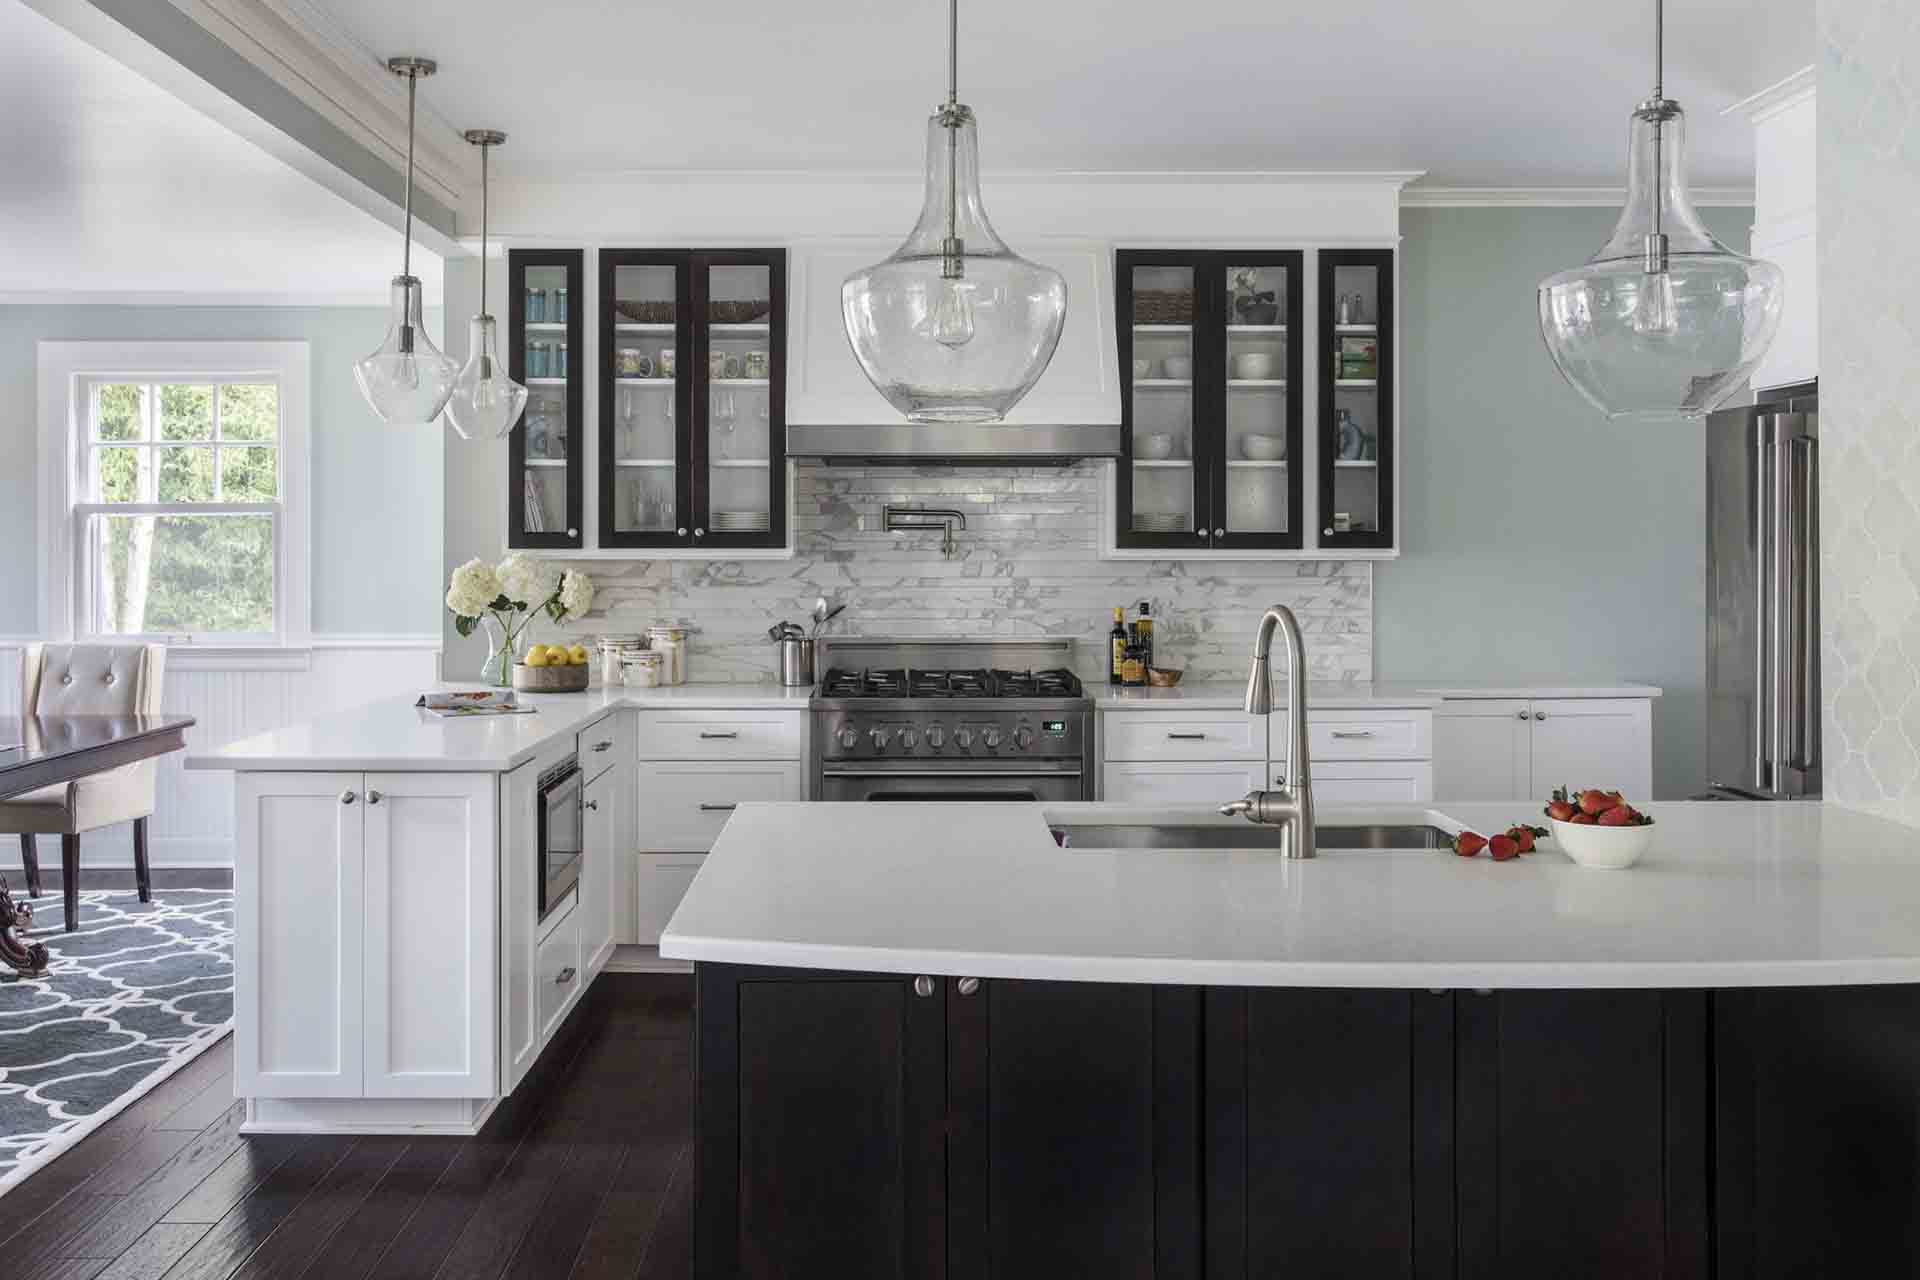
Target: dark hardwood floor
column 587, row 1171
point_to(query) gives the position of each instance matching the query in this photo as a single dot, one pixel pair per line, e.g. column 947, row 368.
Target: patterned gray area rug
column 136, row 993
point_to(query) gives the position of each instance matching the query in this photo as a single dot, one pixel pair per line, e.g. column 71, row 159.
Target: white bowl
column 1254, row 366
column 1263, row 448
column 1601, row 848
column 1142, row 369
column 1177, row 366
column 1156, row 446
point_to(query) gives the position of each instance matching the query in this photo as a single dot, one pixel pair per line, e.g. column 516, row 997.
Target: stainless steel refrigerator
column 1763, row 601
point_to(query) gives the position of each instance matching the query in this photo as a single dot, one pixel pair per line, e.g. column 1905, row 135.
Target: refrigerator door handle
column 1782, row 678
column 1762, row 576
column 1806, row 712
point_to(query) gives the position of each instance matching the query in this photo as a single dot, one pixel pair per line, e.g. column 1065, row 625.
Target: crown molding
column 1790, row 91
column 1555, row 197
column 379, row 300
column 1028, row 177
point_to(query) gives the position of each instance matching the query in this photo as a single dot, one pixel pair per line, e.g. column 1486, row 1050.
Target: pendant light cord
column 1656, row 255
column 483, row 228
column 406, row 247
column 951, row 265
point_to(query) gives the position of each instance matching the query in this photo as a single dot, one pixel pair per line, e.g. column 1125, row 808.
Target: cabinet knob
column 374, row 797
column 1520, row 715
column 1539, row 715
column 573, row 533
column 1219, row 533
column 566, row 975
column 1328, row 531
column 592, row 804
column 923, row 986
column 679, row 533
column 699, row 533
column 968, row 986
column 348, row 797
column 1206, row 533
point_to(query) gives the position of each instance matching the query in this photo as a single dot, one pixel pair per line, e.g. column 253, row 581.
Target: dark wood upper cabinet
column 1211, row 400
column 693, row 398
column 1358, row 427
column 546, row 486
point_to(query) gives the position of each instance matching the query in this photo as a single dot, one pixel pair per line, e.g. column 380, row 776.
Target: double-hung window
column 185, row 516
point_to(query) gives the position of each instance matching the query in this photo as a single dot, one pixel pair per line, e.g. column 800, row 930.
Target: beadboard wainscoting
column 1027, row 564
column 232, row 694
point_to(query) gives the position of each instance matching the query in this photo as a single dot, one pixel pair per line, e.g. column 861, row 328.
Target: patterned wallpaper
column 1026, row 564
column 1869, row 158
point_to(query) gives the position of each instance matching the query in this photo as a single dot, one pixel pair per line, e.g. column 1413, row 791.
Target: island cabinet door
column 1074, row 1132
column 1582, row 1130
column 431, row 935
column 299, row 907
column 822, row 1125
column 1328, row 1133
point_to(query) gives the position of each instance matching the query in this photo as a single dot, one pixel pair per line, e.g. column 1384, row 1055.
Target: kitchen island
column 930, row 1046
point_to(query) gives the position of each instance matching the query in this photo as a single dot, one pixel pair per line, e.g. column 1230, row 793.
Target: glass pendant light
column 486, row 402
column 408, row 379
column 955, row 326
column 1664, row 320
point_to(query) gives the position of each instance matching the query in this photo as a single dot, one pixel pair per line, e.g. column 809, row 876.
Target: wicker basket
column 749, row 312
column 645, row 312
column 571, row 678
column 1163, row 306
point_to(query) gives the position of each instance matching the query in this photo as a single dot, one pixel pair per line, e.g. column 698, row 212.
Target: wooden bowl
column 1161, row 678
column 567, row 679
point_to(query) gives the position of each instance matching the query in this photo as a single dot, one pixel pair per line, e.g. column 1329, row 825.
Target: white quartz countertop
column 394, row 735
column 1730, row 894
column 1212, row 695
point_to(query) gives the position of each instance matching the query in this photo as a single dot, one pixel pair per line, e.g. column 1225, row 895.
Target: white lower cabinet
column 1371, row 782
column 601, row 831
column 1521, row 749
column 1181, row 781
column 1363, row 755
column 365, row 936
column 557, row 971
column 663, row 879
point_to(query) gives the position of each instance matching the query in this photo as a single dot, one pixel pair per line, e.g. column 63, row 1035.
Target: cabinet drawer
column 721, row 735
column 660, row 881
column 683, row 805
column 1366, row 735
column 1185, row 735
column 612, row 741
column 1355, row 782
column 1180, row 782
column 557, row 976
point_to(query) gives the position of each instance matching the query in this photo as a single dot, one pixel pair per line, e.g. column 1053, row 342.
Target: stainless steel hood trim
column 952, row 444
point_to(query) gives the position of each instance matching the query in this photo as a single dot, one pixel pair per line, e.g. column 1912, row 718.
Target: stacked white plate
column 740, row 521
column 1160, row 522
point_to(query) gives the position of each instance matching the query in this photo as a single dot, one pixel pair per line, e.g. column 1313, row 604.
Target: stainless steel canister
column 796, row 662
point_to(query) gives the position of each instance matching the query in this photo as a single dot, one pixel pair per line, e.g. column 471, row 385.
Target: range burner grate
column 898, row 682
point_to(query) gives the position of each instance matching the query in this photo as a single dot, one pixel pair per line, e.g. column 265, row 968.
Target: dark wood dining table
column 39, row 751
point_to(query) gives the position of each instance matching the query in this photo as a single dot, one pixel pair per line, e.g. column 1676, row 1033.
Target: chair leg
column 70, row 878
column 30, row 860
column 141, row 876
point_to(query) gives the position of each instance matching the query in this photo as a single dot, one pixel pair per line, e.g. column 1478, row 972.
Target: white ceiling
column 118, row 188
column 1496, row 93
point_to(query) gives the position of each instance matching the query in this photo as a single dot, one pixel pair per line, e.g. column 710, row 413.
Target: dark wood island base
column 856, row 1125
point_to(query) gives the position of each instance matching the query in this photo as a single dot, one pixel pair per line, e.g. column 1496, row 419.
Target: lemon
column 577, row 655
column 536, row 656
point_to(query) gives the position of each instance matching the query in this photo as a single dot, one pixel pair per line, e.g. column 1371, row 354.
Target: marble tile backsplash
column 1026, row 565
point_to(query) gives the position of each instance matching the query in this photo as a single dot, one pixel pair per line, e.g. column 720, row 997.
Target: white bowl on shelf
column 1254, row 366
column 1601, row 848
column 1142, row 369
column 1177, row 367
column 1155, row 447
column 1263, row 448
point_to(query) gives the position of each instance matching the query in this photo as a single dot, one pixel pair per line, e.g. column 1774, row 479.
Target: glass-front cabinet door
column 692, row 404
column 1211, row 410
column 545, row 484
column 1356, row 429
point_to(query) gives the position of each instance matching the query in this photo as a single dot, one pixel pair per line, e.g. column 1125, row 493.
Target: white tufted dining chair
column 87, row 680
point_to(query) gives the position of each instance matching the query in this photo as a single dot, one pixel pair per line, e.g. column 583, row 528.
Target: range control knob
column 936, row 737
column 848, row 737
column 1022, row 738
column 909, row 739
column 963, row 737
column 990, row 739
column 879, row 737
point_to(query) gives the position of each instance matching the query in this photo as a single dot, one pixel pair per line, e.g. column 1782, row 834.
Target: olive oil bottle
column 1117, row 647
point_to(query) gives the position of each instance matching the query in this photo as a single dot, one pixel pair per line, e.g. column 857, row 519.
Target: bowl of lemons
column 552, row 668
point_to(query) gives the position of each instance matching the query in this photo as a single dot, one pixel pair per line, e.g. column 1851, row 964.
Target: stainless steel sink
column 1103, row 835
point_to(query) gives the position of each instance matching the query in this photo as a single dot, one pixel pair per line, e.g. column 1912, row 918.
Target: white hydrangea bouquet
column 506, row 597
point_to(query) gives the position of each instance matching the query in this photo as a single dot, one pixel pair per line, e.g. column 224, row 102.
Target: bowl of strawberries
column 1599, row 829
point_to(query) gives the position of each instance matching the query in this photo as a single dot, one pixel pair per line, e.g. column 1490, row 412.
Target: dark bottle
column 1143, row 634
column 1117, row 647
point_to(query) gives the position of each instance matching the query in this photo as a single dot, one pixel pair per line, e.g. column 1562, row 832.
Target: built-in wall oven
column 560, row 844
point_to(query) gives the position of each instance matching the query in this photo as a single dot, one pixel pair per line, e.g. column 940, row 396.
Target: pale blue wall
column 376, row 489
column 1540, row 540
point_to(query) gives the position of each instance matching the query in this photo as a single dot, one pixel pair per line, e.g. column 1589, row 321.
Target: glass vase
column 503, row 650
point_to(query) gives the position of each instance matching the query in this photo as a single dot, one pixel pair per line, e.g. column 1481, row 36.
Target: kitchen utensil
column 1155, row 446
column 820, row 622
column 1161, row 678
column 1254, row 366
column 1177, row 367
column 796, row 662
column 1263, row 448
column 1601, row 848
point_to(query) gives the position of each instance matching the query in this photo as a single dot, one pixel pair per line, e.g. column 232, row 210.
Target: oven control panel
column 851, row 736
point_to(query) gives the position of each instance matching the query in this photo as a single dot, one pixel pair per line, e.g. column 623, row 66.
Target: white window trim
column 64, row 368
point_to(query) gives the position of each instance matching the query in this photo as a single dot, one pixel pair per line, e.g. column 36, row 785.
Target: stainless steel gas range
column 951, row 720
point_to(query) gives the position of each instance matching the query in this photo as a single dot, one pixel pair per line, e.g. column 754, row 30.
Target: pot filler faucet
column 1288, row 807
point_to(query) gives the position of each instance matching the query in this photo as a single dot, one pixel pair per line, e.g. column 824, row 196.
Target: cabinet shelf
column 546, row 382
column 545, row 462
column 661, row 384
column 1163, row 462
column 1252, row 464
column 645, row 462
column 741, row 330
column 1357, row 464
column 1161, row 384
column 546, row 326
column 740, row 462
column 1257, row 330
column 1356, row 330
column 738, row 382
column 635, row 327
column 1356, row 384
column 1164, row 330
column 1257, row 384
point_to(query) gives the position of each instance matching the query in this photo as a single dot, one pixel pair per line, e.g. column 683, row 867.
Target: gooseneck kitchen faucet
column 1289, row 805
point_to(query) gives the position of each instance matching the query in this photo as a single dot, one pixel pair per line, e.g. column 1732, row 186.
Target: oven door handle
column 1011, row 775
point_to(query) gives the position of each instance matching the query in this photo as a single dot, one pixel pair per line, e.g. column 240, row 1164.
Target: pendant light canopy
column 486, row 402
column 1664, row 320
column 955, row 326
column 408, row 379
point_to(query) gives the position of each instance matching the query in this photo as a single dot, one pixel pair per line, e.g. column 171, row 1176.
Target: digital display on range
column 1054, row 728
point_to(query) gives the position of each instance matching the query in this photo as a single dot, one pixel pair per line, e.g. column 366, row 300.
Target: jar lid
column 642, row 658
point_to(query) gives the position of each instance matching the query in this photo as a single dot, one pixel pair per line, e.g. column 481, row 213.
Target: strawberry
column 1469, row 843
column 1618, row 816
column 1583, row 819
column 1596, row 802
column 1524, row 836
column 1561, row 811
column 1503, row 848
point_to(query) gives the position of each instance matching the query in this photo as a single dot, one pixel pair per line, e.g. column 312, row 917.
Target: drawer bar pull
column 717, row 808
column 1187, row 737
column 603, row 745
column 704, row 735
column 1353, row 733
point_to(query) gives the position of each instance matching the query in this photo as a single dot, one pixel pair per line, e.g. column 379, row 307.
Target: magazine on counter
column 473, row 702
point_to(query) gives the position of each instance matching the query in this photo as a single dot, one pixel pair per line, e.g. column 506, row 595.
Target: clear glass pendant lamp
column 1664, row 320
column 954, row 326
column 486, row 401
column 407, row 379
